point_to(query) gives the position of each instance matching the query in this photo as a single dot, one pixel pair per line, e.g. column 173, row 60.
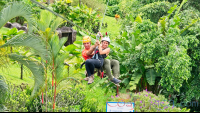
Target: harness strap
column 82, row 65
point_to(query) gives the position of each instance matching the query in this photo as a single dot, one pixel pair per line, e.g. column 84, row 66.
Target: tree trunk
column 22, row 71
column 80, row 3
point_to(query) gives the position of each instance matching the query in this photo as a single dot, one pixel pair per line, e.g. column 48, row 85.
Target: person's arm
column 92, row 48
column 100, row 36
column 105, row 51
column 91, row 51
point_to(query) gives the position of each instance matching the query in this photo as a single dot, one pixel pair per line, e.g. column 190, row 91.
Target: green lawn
column 113, row 27
column 12, row 73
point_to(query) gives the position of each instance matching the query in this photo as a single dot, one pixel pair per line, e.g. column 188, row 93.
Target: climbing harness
column 95, row 56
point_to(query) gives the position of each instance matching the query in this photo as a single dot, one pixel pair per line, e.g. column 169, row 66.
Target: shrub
column 95, row 98
column 97, row 5
column 148, row 102
column 17, row 99
column 112, row 10
column 66, row 100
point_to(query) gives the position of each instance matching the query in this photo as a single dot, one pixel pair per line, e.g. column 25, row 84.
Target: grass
column 12, row 74
column 113, row 27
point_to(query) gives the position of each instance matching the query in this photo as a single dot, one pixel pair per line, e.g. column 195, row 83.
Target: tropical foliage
column 160, row 59
column 157, row 47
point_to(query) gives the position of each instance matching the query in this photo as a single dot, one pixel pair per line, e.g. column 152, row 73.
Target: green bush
column 112, row 10
column 67, row 100
column 17, row 99
column 112, row 2
column 97, row 5
column 95, row 98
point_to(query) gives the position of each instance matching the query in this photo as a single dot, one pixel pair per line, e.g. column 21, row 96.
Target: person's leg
column 115, row 67
column 106, row 66
column 115, row 70
column 90, row 64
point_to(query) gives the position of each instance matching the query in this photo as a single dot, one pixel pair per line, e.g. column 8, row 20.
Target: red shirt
column 85, row 56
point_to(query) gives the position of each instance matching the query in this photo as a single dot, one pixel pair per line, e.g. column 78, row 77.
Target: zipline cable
column 60, row 16
column 103, row 16
column 98, row 35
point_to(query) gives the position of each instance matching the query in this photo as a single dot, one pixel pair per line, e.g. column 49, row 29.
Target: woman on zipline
column 108, row 64
column 101, row 51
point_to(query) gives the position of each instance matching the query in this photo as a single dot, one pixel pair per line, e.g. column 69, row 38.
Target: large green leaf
column 56, row 44
column 151, row 76
column 45, row 19
column 59, row 71
column 16, row 9
column 41, row 25
column 12, row 31
column 36, row 68
column 70, row 48
column 4, row 30
column 126, row 81
column 58, row 21
column 135, row 79
column 31, row 41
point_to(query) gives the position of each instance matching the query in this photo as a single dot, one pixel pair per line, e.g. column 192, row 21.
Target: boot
column 116, row 81
column 91, row 79
column 86, row 79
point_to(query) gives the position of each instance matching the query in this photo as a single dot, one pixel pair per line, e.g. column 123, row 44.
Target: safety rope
column 60, row 16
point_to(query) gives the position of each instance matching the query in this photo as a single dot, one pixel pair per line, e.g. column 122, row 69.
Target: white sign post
column 119, row 107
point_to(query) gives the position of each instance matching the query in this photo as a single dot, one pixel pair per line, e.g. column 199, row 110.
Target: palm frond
column 16, row 9
column 46, row 17
column 36, row 68
column 32, row 41
column 59, row 63
column 56, row 44
column 3, row 90
column 56, row 23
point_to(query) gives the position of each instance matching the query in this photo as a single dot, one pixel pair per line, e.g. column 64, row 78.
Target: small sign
column 119, row 107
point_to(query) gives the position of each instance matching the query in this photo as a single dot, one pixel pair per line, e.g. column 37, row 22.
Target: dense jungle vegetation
column 155, row 41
